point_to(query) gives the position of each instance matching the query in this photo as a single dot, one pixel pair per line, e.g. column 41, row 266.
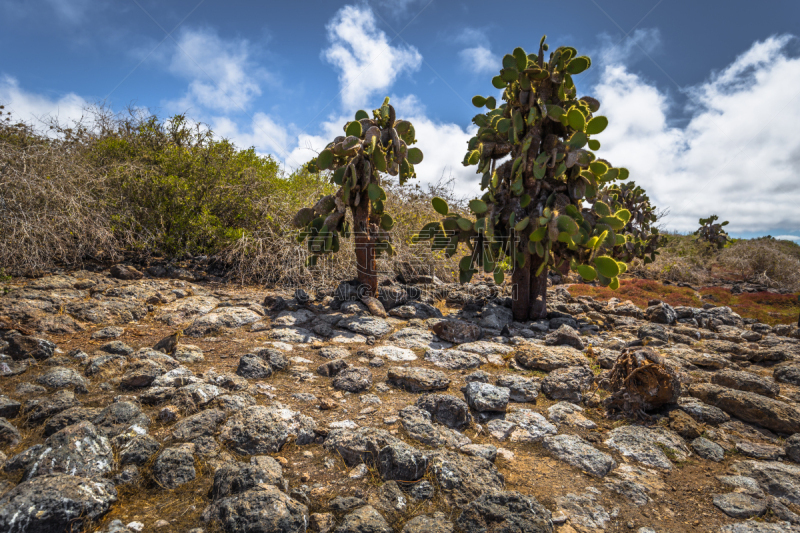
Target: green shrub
column 180, row 190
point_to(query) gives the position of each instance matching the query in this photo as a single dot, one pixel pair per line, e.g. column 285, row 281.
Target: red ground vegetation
column 765, row 307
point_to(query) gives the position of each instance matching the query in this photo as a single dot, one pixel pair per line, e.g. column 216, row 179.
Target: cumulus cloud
column 443, row 145
column 263, row 133
column 222, row 76
column 400, row 8
column 363, row 54
column 71, row 11
column 788, row 238
column 479, row 60
column 738, row 156
column 32, row 108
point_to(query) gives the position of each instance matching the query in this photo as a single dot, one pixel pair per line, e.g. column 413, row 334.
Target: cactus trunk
column 365, row 248
column 538, row 291
column 529, row 291
column 520, row 292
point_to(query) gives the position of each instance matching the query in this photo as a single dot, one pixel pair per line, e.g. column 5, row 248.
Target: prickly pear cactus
column 541, row 207
column 369, row 147
column 711, row 232
column 642, row 239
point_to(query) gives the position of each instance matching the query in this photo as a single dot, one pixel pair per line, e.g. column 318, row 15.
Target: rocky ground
column 420, row 411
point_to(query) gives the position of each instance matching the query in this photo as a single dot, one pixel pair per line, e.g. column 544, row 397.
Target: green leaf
column 567, row 225
column 338, row 175
column 578, row 65
column 325, row 159
column 503, row 125
column 474, row 157
column 440, row 206
column 594, row 145
column 624, row 214
column 598, row 168
column 522, row 224
column 538, row 234
column 498, row 277
column 386, row 222
column 578, row 140
column 606, row 266
column 375, row 192
column 353, row 128
column 537, row 73
column 498, row 82
column 361, row 114
column 509, row 61
column 555, row 112
column 596, row 125
column 602, row 209
column 466, row 263
column 478, row 206
column 522, row 59
column 465, row 224
column 613, row 222
column 478, row 101
column 576, row 119
column 509, row 74
column 587, row 272
column 491, row 103
column 524, row 200
column 623, row 174
column 414, row 156
column 614, row 284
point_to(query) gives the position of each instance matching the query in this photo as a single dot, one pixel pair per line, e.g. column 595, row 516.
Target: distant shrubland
column 134, row 186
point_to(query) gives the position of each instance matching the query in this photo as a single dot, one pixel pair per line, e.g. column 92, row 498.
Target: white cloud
column 366, row 59
column 400, row 7
column 222, row 75
column 788, row 238
column 479, row 60
column 71, row 11
column 263, row 133
column 32, row 108
column 443, row 146
column 738, row 156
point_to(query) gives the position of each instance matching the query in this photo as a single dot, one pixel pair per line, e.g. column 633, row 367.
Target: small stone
column 327, row 404
column 354, row 379
column 169, row 414
column 358, row 472
column 111, row 332
column 485, row 397
column 737, row 505
column 708, row 449
column 457, row 331
column 766, row 452
column 564, row 336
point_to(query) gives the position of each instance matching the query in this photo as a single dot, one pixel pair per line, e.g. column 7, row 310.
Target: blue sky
column 703, row 97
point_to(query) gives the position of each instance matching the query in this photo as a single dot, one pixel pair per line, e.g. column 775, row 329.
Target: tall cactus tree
column 536, row 211
column 712, row 232
column 370, row 147
column 642, row 238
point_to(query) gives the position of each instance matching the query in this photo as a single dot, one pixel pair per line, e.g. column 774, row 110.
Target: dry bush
column 49, row 212
column 763, row 261
column 671, row 267
column 272, row 255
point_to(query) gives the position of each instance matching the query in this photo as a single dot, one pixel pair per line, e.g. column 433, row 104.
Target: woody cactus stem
column 356, row 160
column 541, row 208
